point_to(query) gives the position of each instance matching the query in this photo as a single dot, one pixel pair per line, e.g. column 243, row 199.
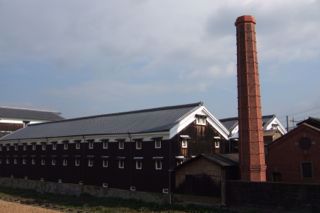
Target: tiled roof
column 232, row 122
column 142, row 121
column 312, row 121
column 229, row 123
column 28, row 114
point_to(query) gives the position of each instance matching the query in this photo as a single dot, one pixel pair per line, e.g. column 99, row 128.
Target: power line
column 305, row 111
column 295, row 114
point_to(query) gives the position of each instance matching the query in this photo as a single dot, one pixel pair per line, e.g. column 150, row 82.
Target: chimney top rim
column 245, row 19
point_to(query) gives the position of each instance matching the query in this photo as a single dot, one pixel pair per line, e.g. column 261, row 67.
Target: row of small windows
column 105, row 145
column 105, row 163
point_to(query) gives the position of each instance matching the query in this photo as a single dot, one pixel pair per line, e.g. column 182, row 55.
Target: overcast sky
column 91, row 57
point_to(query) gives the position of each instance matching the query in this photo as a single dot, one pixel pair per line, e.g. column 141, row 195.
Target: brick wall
column 286, row 155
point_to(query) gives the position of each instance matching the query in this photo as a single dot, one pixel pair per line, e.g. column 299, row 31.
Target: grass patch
column 88, row 203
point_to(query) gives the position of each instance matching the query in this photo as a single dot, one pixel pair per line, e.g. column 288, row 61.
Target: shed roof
column 29, row 114
column 141, row 121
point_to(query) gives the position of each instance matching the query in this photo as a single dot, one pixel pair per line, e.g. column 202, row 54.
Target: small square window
column 184, row 143
column 24, row 147
column 105, row 163
column 8, row 147
column 43, row 146
column 201, row 119
column 121, row 144
column 121, row 164
column 90, row 163
column 43, row 162
column 53, row 162
column 65, row 162
column 306, row 168
column 54, row 146
column 78, row 144
column 77, row 162
column 157, row 143
column 16, row 147
column 105, row 144
column 7, row 161
column 24, row 161
column 158, row 164
column 15, row 161
column 138, row 164
column 33, row 161
column 139, row 144
column 217, row 144
column 34, row 146
column 65, row 145
column 90, row 144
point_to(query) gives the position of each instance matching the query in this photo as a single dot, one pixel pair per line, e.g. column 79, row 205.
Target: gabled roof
column 141, row 121
column 302, row 126
column 232, row 123
column 311, row 121
column 28, row 114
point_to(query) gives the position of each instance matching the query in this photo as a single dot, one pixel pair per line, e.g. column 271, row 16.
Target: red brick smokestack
column 252, row 158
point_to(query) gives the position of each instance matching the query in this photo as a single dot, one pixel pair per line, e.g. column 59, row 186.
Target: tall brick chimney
column 252, row 158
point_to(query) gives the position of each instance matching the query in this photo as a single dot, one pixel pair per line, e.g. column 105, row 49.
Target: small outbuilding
column 204, row 174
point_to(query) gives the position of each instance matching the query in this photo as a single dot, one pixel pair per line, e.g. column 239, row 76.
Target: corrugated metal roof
column 142, row 121
column 28, row 114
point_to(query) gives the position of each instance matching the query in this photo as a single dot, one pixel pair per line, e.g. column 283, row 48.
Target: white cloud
column 143, row 47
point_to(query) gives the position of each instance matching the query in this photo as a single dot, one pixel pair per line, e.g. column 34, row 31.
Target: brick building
column 295, row 156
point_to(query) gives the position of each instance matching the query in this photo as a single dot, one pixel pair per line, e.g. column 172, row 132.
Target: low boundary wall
column 287, row 195
column 77, row 190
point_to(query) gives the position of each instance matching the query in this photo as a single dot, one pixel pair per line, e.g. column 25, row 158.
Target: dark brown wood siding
column 95, row 175
column 147, row 179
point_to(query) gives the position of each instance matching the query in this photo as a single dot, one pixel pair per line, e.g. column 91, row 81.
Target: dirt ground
column 10, row 207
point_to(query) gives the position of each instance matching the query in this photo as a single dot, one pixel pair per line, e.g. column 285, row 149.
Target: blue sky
column 91, row 57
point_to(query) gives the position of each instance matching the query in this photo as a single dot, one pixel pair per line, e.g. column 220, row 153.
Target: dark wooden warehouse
column 137, row 150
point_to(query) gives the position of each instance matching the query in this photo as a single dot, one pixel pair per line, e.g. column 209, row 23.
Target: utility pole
column 293, row 122
column 287, row 119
